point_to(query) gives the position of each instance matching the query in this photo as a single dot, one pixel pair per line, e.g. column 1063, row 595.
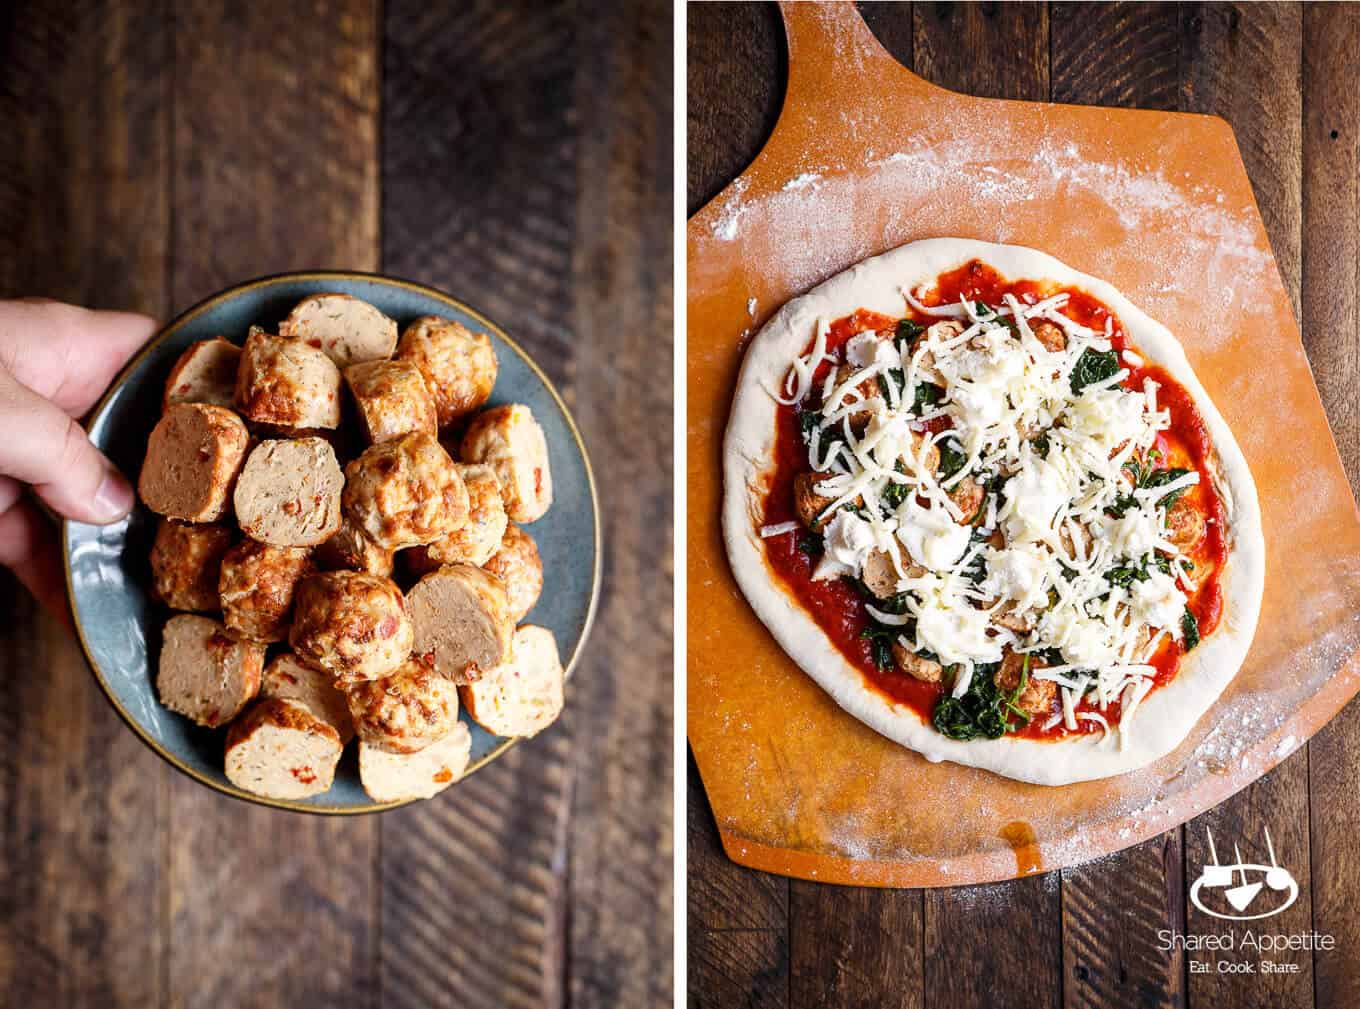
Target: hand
column 55, row 361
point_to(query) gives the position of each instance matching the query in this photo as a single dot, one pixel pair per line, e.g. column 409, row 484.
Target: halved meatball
column 288, row 494
column 185, row 562
column 479, row 539
column 350, row 549
column 398, row 777
column 518, row 565
column 282, row 750
column 348, row 329
column 969, row 496
column 523, row 696
column 880, row 576
column 206, row 674
column 257, row 585
column 406, row 710
column 1050, row 335
column 286, row 382
column 392, row 400
column 867, row 389
column 405, row 492
column 1038, row 696
column 462, row 621
column 354, row 626
column 192, row 459
column 289, row 678
column 1184, row 525
column 458, row 365
column 509, row 440
column 925, row 670
column 204, row 373
column 807, row 503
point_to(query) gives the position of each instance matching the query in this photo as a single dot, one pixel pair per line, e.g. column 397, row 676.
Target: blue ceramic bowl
column 108, row 573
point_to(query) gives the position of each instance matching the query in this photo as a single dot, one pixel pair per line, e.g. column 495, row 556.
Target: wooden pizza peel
column 866, row 156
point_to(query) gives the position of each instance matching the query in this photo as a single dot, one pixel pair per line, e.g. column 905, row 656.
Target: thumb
column 44, row 447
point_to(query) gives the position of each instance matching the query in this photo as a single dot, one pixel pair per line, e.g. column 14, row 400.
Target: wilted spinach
column 1093, row 366
column 1190, row 628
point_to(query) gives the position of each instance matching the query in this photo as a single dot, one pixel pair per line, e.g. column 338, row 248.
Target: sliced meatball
column 206, row 674
column 969, row 496
column 518, row 565
column 350, row 549
column 392, row 400
column 257, row 586
column 867, row 389
column 288, row 383
column 880, row 576
column 480, row 537
column 399, row 777
column 1038, row 696
column 185, row 561
column 458, row 365
column 462, row 622
column 289, row 678
column 204, row 373
column 348, row 329
column 807, row 503
column 352, row 625
column 923, row 669
column 282, row 750
column 509, row 440
column 289, row 493
column 405, row 492
column 192, row 459
column 523, row 696
column 1050, row 335
column 1184, row 525
column 406, row 710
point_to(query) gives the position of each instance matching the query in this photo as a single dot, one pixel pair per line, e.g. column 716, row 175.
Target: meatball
column 392, row 400
column 458, row 365
column 288, row 494
column 288, row 383
column 405, row 492
column 969, row 496
column 350, row 549
column 1184, row 525
column 510, row 441
column 350, row 624
column 185, row 561
column 192, row 459
column 807, row 503
column 347, row 329
column 1050, row 335
column 477, row 541
column 282, row 750
column 1038, row 696
column 462, row 622
column 257, row 586
column 404, row 711
column 519, row 567
column 880, row 576
column 523, row 696
column 923, row 669
column 288, row 678
column 205, row 674
column 866, row 390
column 204, row 373
column 399, row 777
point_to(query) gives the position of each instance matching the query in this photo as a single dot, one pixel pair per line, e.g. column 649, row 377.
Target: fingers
column 44, row 447
column 28, row 547
column 66, row 353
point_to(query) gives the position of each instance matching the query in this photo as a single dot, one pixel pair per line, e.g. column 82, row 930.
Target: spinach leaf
column 1190, row 627
column 1162, row 477
column 895, row 493
column 880, row 640
column 927, row 395
column 907, row 333
column 1041, row 445
column 811, row 544
column 952, row 456
column 1093, row 366
column 894, row 377
column 978, row 713
column 1146, row 476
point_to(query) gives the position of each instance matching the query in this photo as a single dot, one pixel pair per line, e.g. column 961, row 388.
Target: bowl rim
column 183, row 319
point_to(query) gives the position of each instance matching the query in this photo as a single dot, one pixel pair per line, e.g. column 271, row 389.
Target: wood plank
column 84, row 178
column 738, row 920
column 1331, row 330
column 737, row 69
column 855, row 948
column 986, row 50
column 275, row 150
column 1123, row 54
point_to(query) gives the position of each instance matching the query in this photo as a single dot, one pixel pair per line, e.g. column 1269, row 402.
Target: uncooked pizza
column 984, row 501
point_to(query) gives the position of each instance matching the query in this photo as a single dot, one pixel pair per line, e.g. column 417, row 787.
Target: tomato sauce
column 838, row 607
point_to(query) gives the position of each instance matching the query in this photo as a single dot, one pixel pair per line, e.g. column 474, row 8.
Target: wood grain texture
column 84, row 179
column 990, row 50
column 1331, row 330
column 1125, row 55
column 855, row 948
column 563, row 849
column 276, row 168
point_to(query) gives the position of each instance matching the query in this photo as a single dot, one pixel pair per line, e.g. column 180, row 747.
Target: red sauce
column 839, row 608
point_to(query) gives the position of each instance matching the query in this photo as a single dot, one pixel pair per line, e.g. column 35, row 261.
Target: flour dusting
column 808, row 180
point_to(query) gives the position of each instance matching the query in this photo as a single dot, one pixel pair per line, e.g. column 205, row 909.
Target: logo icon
column 1242, row 882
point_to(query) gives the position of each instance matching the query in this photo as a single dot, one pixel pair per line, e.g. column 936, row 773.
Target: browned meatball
column 925, row 670
column 1038, row 696
column 1184, row 525
column 257, row 586
column 204, row 373
column 511, row 442
column 391, row 399
column 350, row 624
column 206, row 674
column 347, row 329
column 1050, row 335
column 350, row 549
column 880, row 576
column 462, row 622
column 518, row 565
column 286, row 382
column 185, row 561
column 458, row 365
column 406, row 710
column 288, row 494
column 477, row 541
column 807, row 503
column 192, row 459
column 969, row 496
column 405, row 492
column 867, row 389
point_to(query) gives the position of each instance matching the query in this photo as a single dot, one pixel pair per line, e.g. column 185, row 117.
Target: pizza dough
column 1168, row 712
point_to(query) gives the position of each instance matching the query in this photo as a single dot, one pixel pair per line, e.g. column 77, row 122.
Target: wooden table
column 519, row 156
column 1287, row 79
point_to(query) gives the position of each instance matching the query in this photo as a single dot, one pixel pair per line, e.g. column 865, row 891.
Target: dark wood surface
column 1287, row 79
column 519, row 156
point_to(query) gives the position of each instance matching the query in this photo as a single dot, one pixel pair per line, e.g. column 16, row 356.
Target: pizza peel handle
column 867, row 156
